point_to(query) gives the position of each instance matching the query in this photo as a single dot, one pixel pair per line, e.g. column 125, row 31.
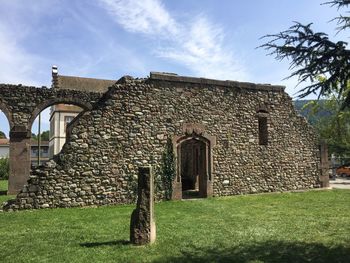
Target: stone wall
column 21, row 106
column 130, row 125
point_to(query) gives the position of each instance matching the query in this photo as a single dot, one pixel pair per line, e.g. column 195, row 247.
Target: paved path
column 340, row 183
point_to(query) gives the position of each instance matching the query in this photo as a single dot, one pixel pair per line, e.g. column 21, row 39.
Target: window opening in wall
column 263, row 132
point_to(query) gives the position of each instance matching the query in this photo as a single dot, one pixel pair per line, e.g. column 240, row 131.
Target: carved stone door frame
column 194, row 131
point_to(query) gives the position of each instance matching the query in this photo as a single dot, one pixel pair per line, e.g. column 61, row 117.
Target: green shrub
column 169, row 170
column 4, row 168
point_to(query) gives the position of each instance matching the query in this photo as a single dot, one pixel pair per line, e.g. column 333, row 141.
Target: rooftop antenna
column 54, row 70
column 54, row 76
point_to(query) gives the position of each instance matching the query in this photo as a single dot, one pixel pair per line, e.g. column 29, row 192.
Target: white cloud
column 205, row 52
column 17, row 66
column 17, row 25
column 199, row 45
column 146, row 16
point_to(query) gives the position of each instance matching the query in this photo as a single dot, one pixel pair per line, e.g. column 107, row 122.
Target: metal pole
column 39, row 139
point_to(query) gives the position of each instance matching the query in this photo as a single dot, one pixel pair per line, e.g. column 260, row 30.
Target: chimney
column 54, row 77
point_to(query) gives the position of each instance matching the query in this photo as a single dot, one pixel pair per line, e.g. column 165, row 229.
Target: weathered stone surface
column 142, row 223
column 119, row 141
column 21, row 106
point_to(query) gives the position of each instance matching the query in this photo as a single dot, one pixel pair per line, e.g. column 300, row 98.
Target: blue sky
column 111, row 38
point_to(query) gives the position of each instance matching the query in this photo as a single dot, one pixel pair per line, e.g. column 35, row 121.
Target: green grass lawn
column 3, row 191
column 3, row 185
column 312, row 226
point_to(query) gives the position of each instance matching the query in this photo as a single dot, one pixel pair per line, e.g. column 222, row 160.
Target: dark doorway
column 193, row 168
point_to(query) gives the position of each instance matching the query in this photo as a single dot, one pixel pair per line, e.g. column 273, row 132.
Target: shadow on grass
column 273, row 251
column 107, row 243
column 3, row 192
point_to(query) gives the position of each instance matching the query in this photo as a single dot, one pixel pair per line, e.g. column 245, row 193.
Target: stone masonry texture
column 129, row 125
column 21, row 105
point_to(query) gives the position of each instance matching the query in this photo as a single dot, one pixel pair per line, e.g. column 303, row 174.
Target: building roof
column 80, row 83
column 66, row 108
column 84, row 84
column 42, row 143
column 102, row 85
column 4, row 142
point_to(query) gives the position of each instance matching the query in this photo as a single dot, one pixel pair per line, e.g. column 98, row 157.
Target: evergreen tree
column 333, row 127
column 313, row 54
column 44, row 136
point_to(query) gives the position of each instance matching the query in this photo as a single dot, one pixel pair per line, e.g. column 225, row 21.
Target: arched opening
column 51, row 123
column 4, row 152
column 194, row 166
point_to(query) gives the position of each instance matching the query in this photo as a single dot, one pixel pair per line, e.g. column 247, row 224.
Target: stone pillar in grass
column 142, row 223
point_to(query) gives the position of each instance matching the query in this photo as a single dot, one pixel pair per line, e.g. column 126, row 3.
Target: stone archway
column 48, row 103
column 7, row 113
column 194, row 163
column 21, row 105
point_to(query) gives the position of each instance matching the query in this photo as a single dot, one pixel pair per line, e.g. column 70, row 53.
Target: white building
column 44, row 151
column 4, row 148
column 62, row 114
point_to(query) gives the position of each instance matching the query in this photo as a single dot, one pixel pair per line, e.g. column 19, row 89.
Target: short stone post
column 324, row 178
column 142, row 223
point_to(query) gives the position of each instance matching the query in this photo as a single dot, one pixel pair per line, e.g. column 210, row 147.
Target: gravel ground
column 340, row 183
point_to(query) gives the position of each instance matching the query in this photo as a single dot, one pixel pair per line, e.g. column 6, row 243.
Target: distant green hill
column 299, row 104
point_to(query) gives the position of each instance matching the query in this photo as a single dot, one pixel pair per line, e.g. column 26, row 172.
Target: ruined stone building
column 228, row 138
column 62, row 114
